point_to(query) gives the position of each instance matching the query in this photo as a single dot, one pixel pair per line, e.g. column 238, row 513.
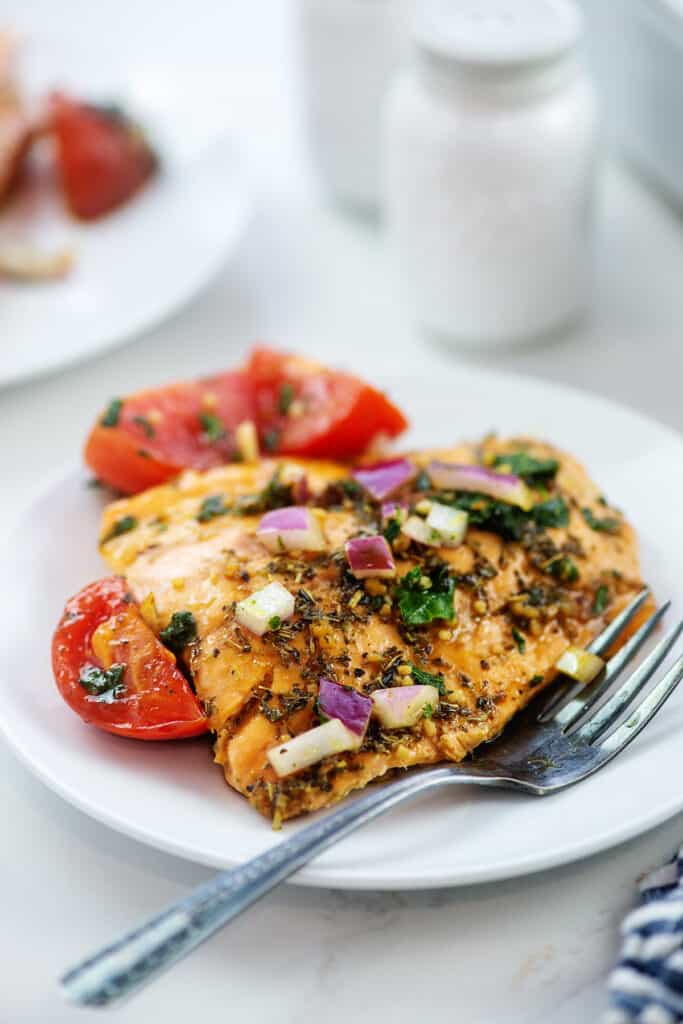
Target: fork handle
column 141, row 954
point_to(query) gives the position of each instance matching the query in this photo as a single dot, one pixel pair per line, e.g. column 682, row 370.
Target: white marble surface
column 529, row 951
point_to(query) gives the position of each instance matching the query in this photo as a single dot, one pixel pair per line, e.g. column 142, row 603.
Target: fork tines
column 600, row 715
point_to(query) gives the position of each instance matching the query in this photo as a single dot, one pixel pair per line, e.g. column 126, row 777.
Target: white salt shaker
column 349, row 51
column 489, row 166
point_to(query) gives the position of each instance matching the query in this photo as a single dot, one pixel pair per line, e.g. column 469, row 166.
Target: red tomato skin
column 127, row 458
column 166, row 709
column 342, row 413
column 102, row 161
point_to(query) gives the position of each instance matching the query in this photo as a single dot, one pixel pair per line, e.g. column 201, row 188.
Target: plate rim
column 339, row 877
column 193, row 287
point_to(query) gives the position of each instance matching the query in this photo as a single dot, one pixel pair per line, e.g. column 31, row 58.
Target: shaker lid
column 497, row 32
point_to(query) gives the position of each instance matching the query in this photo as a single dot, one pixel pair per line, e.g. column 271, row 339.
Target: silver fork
column 539, row 753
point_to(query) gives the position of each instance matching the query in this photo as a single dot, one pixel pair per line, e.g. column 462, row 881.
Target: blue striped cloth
column 646, row 987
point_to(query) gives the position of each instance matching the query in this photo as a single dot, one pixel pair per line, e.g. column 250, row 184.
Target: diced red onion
column 384, row 478
column 501, row 486
column 399, row 707
column 346, row 704
column 312, row 746
column 293, row 529
column 370, row 556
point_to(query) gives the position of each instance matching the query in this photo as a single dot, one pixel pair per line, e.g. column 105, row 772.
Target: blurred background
column 315, row 271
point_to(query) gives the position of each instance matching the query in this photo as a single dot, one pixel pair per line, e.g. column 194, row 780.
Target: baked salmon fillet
column 524, row 585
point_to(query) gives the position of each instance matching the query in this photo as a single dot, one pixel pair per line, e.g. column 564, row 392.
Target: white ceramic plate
column 173, row 797
column 144, row 261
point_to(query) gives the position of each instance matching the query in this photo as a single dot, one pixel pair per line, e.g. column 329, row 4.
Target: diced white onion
column 246, row 440
column 443, row 527
column 580, row 664
column 257, row 612
column 399, row 707
column 449, row 523
column 312, row 746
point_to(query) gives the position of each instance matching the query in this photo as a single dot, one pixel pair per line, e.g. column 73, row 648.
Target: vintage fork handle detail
column 137, row 957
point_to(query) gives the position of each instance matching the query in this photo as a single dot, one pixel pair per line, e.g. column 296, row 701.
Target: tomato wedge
column 102, row 158
column 146, row 439
column 298, row 407
column 111, row 669
column 305, row 409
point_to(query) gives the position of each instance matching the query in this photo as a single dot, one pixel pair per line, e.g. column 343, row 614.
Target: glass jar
column 490, row 159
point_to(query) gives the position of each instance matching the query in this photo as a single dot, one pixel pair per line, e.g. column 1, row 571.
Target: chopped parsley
column 211, row 508
column 419, row 606
column 271, row 439
column 553, row 512
column 428, row 679
column 181, row 631
column 110, row 417
column 274, row 622
column 285, row 398
column 213, row 427
column 607, row 524
column 564, row 569
column 391, row 530
column 351, row 488
column 422, row 482
column 601, row 599
column 533, row 471
column 275, row 494
column 520, row 640
column 104, row 684
column 145, row 425
column 123, row 525
column 428, row 711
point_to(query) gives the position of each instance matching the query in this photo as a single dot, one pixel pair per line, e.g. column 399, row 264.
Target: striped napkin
column 646, row 987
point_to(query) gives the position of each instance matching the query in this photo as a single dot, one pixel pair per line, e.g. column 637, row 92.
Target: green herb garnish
column 553, row 512
column 532, row 470
column 145, row 425
column 181, row 631
column 211, row 508
column 520, row 640
column 123, row 525
column 274, row 495
column 428, row 711
column 105, row 684
column 285, row 398
column 110, row 417
column 271, row 439
column 391, row 530
column 422, row 482
column 608, row 524
column 351, row 488
column 213, row 427
column 564, row 569
column 507, row 521
column 536, row 680
column 419, row 606
column 428, row 679
column 274, row 622
column 601, row 599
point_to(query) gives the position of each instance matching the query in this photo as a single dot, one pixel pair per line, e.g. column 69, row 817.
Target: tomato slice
column 305, row 409
column 146, row 439
column 102, row 158
column 111, row 669
column 299, row 408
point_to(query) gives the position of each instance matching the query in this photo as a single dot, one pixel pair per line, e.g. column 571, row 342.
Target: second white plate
column 142, row 262
column 172, row 796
